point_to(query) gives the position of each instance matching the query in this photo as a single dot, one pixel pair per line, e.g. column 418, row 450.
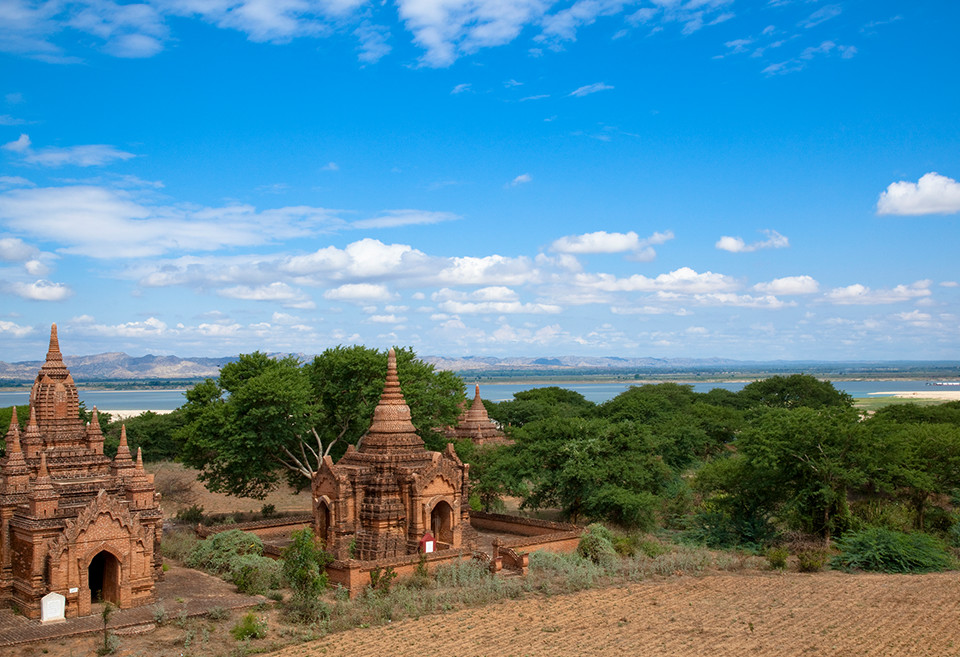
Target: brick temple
column 475, row 424
column 381, row 498
column 73, row 521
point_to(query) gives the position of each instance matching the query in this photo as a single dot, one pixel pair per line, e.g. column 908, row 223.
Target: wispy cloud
column 460, row 88
column 396, row 218
column 522, row 179
column 83, row 156
column 736, row 244
column 858, row 294
column 588, row 89
column 604, row 242
column 932, row 194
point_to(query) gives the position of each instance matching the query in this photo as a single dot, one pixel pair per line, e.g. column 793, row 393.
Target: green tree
column 806, row 461
column 592, row 468
column 794, row 391
column 155, row 433
column 265, row 419
column 540, row 404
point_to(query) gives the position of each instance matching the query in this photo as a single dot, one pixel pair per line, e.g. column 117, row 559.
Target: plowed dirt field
column 768, row 614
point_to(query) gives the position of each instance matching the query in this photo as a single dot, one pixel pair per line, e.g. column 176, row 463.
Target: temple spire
column 392, row 429
column 53, row 352
column 14, row 431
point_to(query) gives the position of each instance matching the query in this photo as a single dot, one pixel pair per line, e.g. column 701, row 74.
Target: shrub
column 811, row 561
column 303, row 569
column 777, row 557
column 889, row 551
column 160, row 614
column 461, row 573
column 953, row 534
column 249, row 627
column 192, row 515
column 254, row 574
column 652, row 549
column 268, row 510
column 596, row 544
column 178, row 544
column 381, row 579
column 217, row 553
column 217, row 613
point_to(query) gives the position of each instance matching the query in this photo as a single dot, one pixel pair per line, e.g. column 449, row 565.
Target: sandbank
column 934, row 393
column 123, row 414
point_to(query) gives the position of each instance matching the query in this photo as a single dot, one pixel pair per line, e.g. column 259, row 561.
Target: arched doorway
column 441, row 522
column 323, row 520
column 103, row 576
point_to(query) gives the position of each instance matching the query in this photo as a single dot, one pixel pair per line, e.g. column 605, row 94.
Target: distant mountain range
column 117, row 366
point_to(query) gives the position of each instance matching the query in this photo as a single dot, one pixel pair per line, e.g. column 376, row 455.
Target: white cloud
column 488, row 270
column 862, row 295
column 684, row 280
column 604, row 242
column 51, row 156
column 949, row 284
column 396, row 218
column 41, row 290
column 460, row 88
column 789, row 285
column 276, row 291
column 6, row 182
column 914, row 317
column 821, row 15
column 15, row 330
column 932, row 194
column 101, row 222
column 373, row 42
column 330, row 166
column 16, row 250
column 588, row 89
column 563, row 25
column 6, row 119
column 386, row 319
column 20, row 145
column 736, row 244
column 492, row 293
column 359, row 293
column 522, row 179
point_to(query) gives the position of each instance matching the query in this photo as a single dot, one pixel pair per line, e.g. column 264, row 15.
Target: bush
column 811, row 561
column 652, row 549
column 953, row 534
column 777, row 558
column 217, row 613
column 191, row 515
column 217, row 553
column 178, row 544
column 254, row 574
column 888, row 551
column 596, row 544
column 249, row 627
column 268, row 510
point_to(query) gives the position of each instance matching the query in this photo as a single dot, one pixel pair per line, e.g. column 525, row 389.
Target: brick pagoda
column 476, row 425
column 73, row 521
column 380, row 499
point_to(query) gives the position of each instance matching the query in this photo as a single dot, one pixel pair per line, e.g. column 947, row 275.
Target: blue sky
column 704, row 178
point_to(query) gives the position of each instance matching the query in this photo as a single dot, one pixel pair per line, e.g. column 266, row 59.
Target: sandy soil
column 124, row 414
column 776, row 615
column 941, row 394
column 180, row 488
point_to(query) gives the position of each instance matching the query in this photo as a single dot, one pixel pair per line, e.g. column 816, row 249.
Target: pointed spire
column 391, row 429
column 44, row 473
column 123, row 450
column 476, row 394
column 139, row 459
column 32, row 438
column 13, row 435
column 14, row 425
column 53, row 353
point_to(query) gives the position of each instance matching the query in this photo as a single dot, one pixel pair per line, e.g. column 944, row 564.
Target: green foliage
column 596, row 544
column 381, row 579
column 268, row 510
column 217, row 553
column 303, row 565
column 254, row 574
column 540, row 404
column 154, row 433
column 777, row 557
column 191, row 515
column 267, row 419
column 794, row 391
column 593, row 468
column 884, row 550
column 796, row 464
column 218, row 613
column 812, row 561
column 249, row 627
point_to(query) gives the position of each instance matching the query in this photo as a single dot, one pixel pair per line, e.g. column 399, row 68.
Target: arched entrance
column 441, row 522
column 103, row 576
column 323, row 520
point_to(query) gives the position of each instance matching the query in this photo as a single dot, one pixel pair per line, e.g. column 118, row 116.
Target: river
column 167, row 400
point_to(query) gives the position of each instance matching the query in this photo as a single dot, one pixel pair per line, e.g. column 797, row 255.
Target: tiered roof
column 475, row 424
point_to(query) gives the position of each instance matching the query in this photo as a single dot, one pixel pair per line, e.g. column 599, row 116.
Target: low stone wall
column 354, row 575
column 266, row 527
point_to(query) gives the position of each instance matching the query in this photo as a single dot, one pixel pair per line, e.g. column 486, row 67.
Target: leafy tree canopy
column 794, row 391
column 540, row 404
column 264, row 419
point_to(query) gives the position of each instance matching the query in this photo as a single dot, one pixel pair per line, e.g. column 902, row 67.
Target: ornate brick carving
column 475, row 424
column 371, row 504
column 71, row 520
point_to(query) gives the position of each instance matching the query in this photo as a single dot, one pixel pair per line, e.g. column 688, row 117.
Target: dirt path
column 720, row 615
